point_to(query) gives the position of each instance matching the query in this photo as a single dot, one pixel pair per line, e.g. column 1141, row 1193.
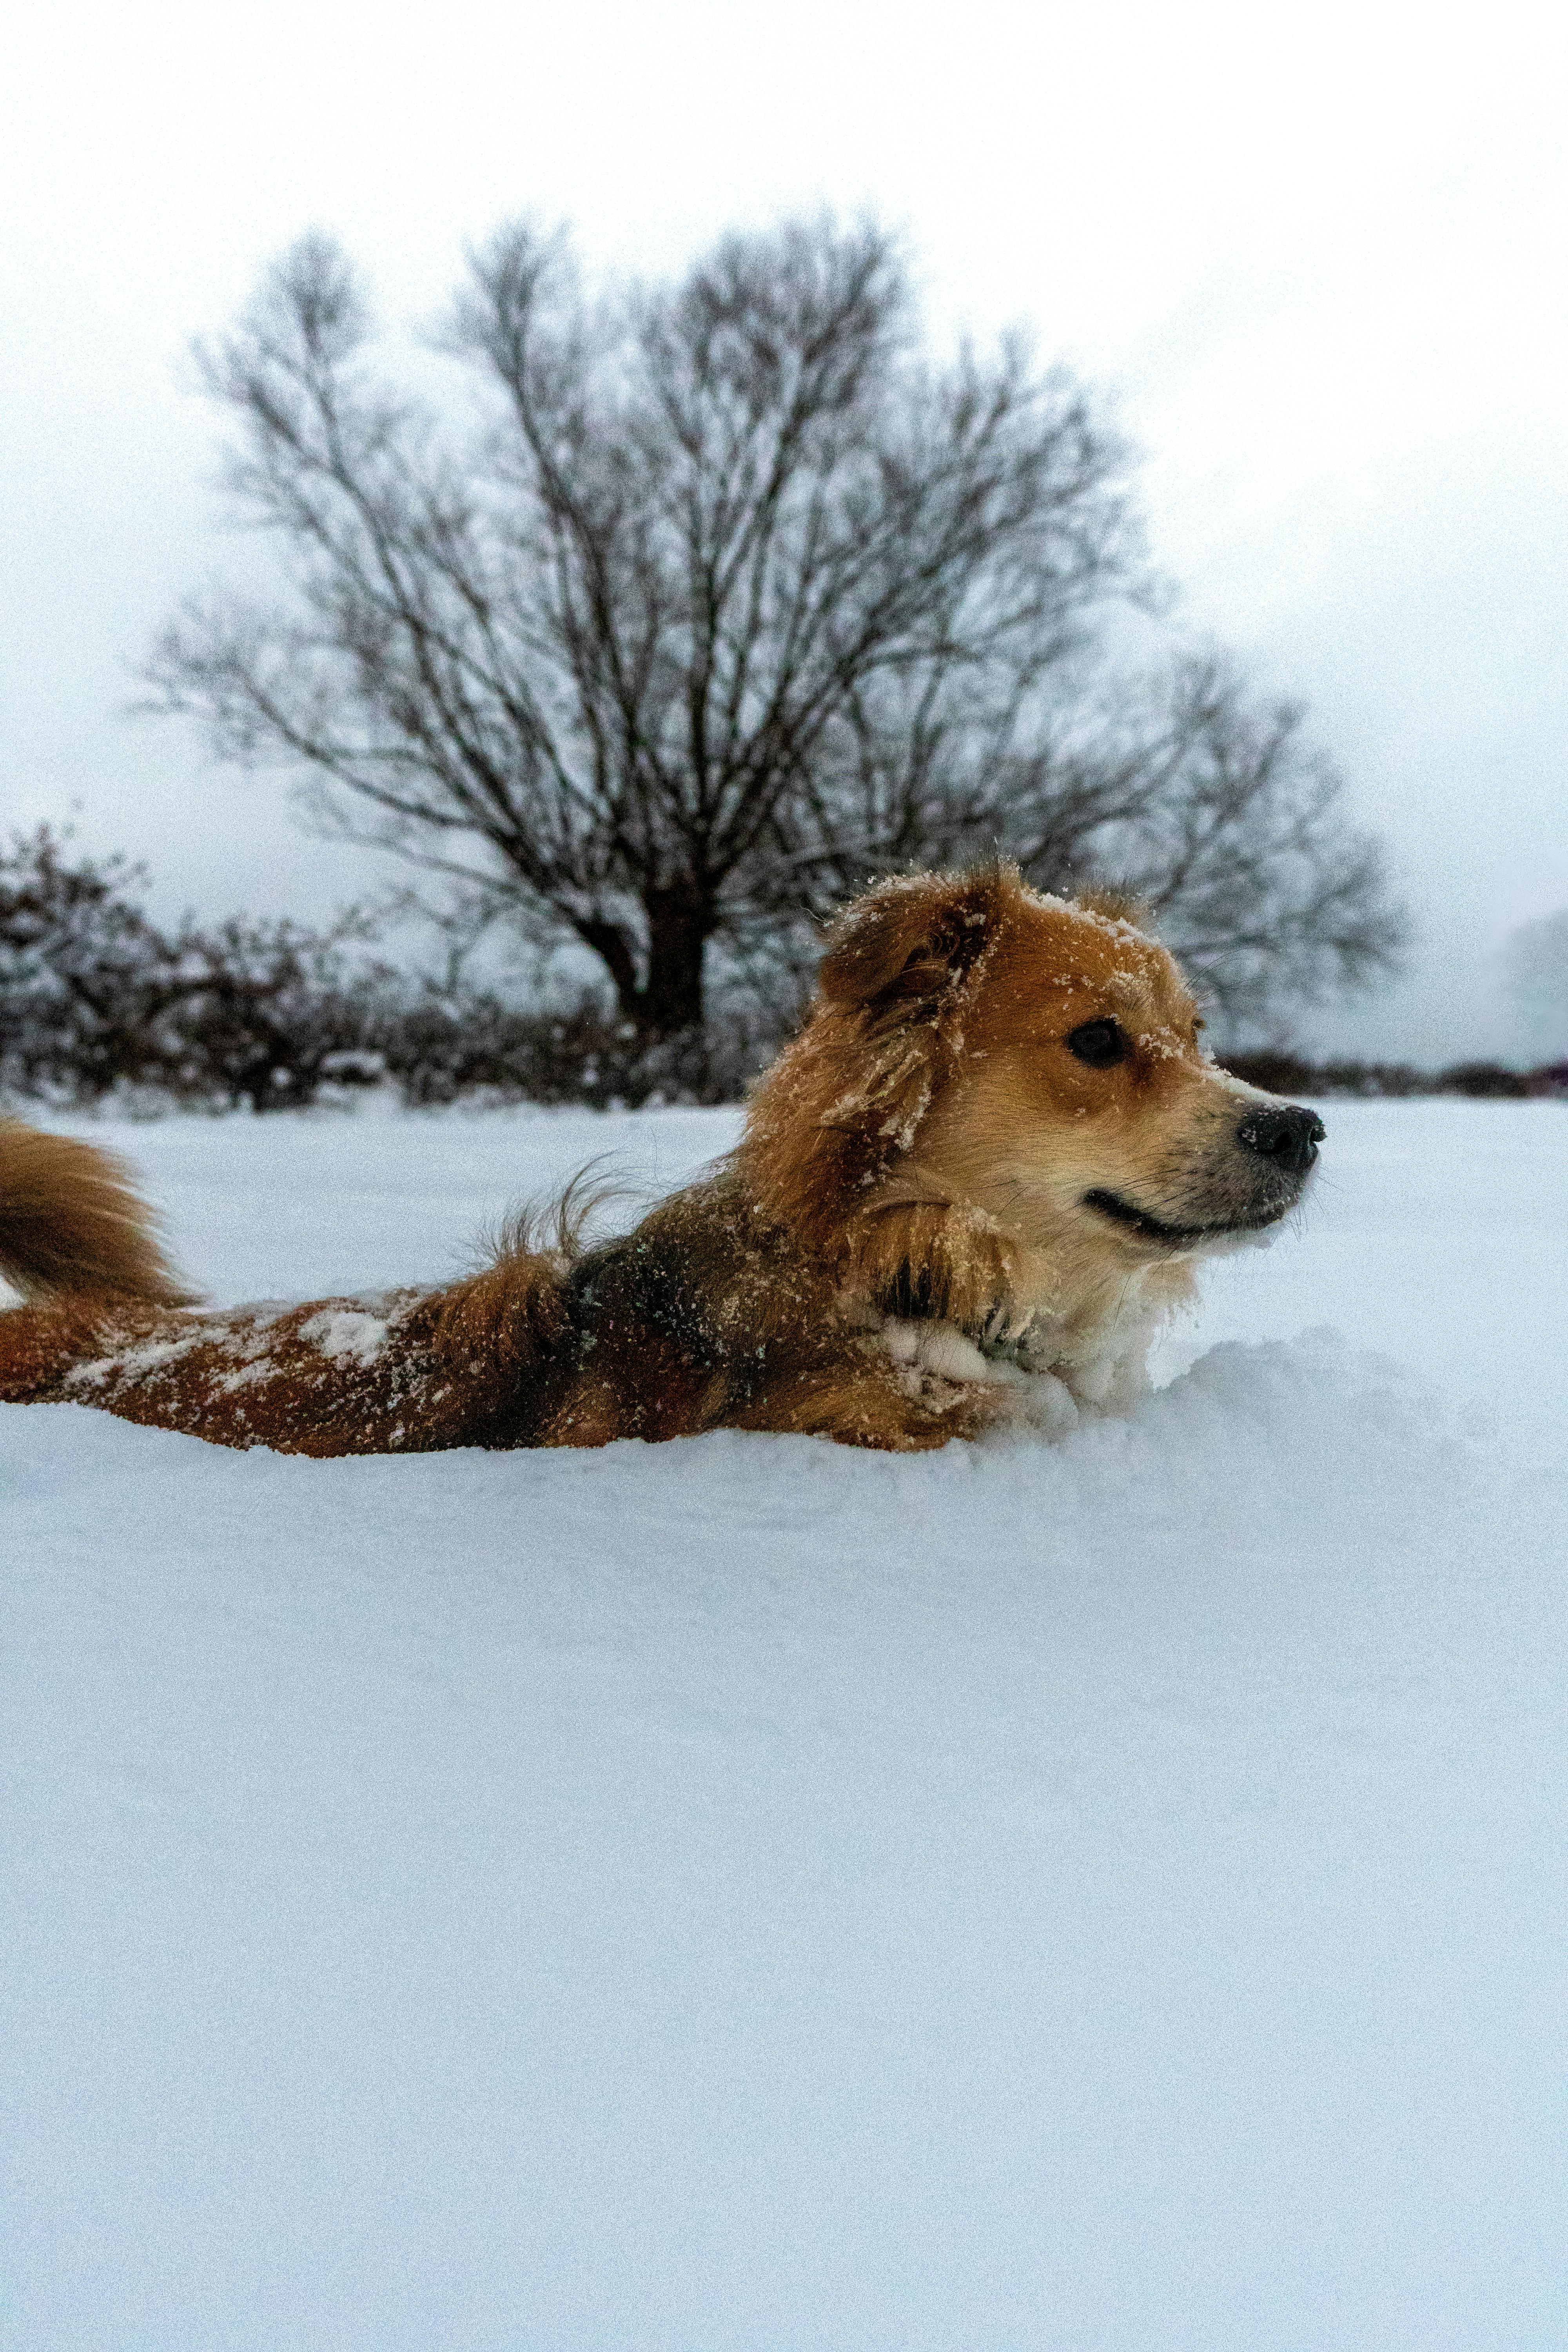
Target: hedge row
column 1287, row 1074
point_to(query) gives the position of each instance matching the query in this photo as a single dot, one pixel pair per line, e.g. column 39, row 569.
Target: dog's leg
column 928, row 1258
column 870, row 1402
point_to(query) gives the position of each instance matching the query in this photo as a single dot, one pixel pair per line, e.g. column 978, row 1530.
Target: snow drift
column 744, row 1892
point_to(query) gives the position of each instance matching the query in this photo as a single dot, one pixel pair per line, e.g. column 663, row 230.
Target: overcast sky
column 1319, row 252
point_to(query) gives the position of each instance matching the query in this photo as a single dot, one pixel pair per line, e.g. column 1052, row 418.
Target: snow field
column 748, row 1893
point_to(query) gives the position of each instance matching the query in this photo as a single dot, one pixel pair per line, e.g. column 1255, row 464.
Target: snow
column 750, row 1893
column 342, row 1332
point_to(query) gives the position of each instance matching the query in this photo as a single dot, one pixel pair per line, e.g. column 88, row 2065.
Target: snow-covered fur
column 965, row 1197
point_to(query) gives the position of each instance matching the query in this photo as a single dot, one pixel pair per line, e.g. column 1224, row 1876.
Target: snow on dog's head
column 1035, row 1061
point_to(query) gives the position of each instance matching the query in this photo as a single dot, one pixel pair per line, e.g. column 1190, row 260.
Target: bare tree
column 725, row 601
column 593, row 654
column 1231, row 831
column 1210, row 809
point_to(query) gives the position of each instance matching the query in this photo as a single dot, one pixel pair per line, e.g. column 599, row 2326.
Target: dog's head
column 1035, row 1059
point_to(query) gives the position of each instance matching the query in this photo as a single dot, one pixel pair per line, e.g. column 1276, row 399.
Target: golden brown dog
column 964, row 1198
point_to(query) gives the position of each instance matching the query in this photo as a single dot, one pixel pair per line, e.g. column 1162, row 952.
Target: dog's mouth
column 1158, row 1229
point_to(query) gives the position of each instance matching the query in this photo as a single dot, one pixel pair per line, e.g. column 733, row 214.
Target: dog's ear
column 914, row 937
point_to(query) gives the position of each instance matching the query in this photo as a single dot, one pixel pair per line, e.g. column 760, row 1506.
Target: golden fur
column 941, row 1218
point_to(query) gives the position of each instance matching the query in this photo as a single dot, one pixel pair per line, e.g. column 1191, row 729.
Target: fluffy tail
column 72, row 1225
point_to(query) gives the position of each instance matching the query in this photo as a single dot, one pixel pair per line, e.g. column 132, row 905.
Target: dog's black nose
column 1289, row 1136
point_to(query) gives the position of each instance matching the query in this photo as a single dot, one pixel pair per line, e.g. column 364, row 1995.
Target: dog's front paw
column 939, row 1349
column 917, row 1259
column 981, row 1277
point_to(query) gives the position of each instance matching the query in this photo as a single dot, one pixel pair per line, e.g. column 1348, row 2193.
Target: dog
column 964, row 1197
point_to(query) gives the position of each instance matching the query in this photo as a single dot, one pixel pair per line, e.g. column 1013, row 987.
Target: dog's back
column 106, row 1321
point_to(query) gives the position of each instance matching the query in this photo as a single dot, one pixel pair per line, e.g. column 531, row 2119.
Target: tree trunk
column 668, row 1000
column 679, row 926
column 614, row 949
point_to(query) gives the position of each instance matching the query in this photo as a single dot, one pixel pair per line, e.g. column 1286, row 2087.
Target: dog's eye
column 1100, row 1044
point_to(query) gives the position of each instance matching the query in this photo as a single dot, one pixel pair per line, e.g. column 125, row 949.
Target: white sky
column 1321, row 252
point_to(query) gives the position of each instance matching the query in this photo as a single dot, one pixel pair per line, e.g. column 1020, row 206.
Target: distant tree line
column 1283, row 1073
column 98, row 1002
column 668, row 615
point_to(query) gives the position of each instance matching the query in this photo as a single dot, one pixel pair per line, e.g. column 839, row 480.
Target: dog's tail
column 73, row 1226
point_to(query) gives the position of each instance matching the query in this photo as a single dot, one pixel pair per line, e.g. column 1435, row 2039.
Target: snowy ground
column 748, row 1893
